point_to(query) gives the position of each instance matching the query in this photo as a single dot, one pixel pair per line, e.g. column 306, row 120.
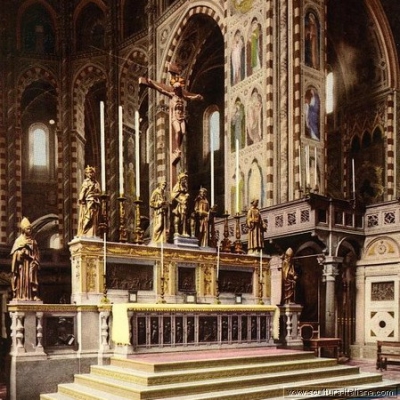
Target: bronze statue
column 180, row 199
column 257, row 227
column 289, row 278
column 25, row 265
column 159, row 204
column 89, row 202
column 202, row 214
column 178, row 95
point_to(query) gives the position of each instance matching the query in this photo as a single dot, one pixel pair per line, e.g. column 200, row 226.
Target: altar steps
column 241, row 377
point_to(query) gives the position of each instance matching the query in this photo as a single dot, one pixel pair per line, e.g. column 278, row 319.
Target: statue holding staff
column 25, row 265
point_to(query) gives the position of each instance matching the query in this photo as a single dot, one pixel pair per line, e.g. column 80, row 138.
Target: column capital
column 330, row 267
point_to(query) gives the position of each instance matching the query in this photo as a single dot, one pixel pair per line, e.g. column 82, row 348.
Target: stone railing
column 59, row 341
column 312, row 213
column 382, row 218
column 141, row 327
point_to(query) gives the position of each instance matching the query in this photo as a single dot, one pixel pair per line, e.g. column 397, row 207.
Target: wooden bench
column 387, row 353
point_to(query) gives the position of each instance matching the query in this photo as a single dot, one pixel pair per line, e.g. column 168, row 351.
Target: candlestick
column 102, row 148
column 261, row 254
column 353, row 176
column 121, row 152
column 316, row 167
column 137, row 154
column 237, row 176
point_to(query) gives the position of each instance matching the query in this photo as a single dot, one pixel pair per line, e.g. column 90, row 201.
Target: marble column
column 329, row 273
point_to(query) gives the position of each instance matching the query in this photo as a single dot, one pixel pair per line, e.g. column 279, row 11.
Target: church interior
column 241, row 159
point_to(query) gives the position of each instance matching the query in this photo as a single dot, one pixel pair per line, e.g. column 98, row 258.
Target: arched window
column 39, row 152
column 329, row 93
column 212, row 141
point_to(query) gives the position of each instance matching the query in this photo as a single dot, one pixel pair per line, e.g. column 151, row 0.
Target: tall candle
column 316, row 166
column 307, row 165
column 300, row 172
column 261, row 255
column 212, row 166
column 121, row 152
column 217, row 260
column 162, row 259
column 137, row 154
column 237, row 176
column 102, row 148
column 353, row 176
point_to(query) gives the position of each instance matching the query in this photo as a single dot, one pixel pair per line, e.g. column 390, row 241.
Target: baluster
column 39, row 332
column 17, row 332
column 104, row 330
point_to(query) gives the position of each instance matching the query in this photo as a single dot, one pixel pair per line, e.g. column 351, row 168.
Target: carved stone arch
column 86, row 78
column 29, row 76
column 134, row 66
column 386, row 40
column 216, row 14
column 21, row 10
column 309, row 245
column 348, row 245
column 383, row 246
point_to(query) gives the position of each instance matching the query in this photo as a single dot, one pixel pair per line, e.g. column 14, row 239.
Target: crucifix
column 177, row 112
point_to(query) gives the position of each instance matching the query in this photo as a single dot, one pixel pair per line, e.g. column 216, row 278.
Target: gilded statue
column 256, row 227
column 89, row 202
column 159, row 204
column 289, row 278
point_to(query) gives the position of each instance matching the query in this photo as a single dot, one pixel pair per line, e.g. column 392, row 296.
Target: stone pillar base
column 289, row 334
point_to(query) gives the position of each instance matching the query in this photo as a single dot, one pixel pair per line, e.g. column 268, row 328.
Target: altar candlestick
column 237, row 176
column 137, row 154
column 102, row 148
column 261, row 254
column 353, row 176
column 121, row 152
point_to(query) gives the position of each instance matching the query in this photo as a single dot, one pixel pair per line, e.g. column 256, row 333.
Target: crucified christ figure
column 179, row 95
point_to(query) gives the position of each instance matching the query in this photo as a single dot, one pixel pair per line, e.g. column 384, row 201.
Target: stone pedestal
column 289, row 334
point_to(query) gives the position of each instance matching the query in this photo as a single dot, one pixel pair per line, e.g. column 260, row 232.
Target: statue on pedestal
column 159, row 204
column 257, row 227
column 89, row 201
column 289, row 278
column 179, row 200
column 202, row 214
column 25, row 265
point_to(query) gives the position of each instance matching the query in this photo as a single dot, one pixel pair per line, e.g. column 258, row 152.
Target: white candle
column 353, row 176
column 307, row 165
column 121, row 152
column 212, row 166
column 162, row 259
column 217, row 260
column 300, row 172
column 315, row 167
column 237, row 176
column 137, row 154
column 102, row 148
